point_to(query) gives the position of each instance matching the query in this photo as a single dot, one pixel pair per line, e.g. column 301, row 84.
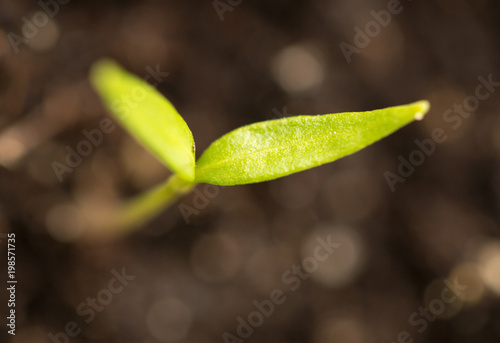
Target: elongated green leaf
column 275, row 148
column 147, row 115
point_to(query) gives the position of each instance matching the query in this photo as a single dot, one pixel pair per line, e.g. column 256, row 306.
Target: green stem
column 144, row 207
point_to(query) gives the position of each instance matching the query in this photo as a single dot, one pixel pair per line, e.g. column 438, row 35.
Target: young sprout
column 253, row 153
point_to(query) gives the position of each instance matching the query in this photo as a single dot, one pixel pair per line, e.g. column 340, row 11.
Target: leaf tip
column 99, row 69
column 423, row 107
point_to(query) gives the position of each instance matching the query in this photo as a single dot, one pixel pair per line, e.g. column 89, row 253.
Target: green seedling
column 253, row 153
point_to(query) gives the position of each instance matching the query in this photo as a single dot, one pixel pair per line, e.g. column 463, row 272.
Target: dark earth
column 407, row 229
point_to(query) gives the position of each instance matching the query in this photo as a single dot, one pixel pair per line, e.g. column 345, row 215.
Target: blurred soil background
column 265, row 59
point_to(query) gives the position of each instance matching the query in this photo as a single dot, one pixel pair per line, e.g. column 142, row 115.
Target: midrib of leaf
column 261, row 151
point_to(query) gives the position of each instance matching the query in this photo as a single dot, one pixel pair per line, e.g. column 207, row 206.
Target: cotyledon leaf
column 147, row 115
column 271, row 149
